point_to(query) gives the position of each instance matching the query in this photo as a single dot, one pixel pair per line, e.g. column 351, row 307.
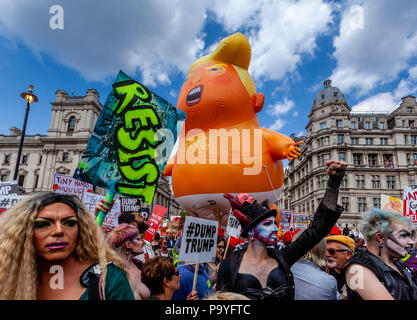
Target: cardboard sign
column 68, row 185
column 410, row 204
column 9, row 188
column 300, row 220
column 199, row 241
column 154, row 221
column 174, row 225
column 8, row 201
column 129, row 204
column 389, row 203
column 286, row 218
column 111, row 220
column 234, row 227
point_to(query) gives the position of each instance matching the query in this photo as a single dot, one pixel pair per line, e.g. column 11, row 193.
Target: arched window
column 71, row 124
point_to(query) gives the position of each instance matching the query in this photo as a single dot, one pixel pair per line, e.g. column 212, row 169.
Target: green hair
column 377, row 220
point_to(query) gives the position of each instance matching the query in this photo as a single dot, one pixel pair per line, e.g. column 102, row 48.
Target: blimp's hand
column 293, row 151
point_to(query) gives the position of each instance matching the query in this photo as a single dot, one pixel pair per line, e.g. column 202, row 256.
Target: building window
column 355, row 140
column 340, row 138
column 376, row 182
column 21, row 180
column 411, row 123
column 390, row 182
column 372, row 159
column 357, row 159
column 361, row 204
column 369, row 141
column 323, row 125
column 25, row 158
column 409, row 109
column 40, row 159
column 367, row 125
column 323, row 158
column 35, row 185
column 345, row 203
column 413, row 140
column 3, row 178
column 321, row 181
column 65, row 156
column 7, row 159
column 71, row 124
column 412, row 179
column 388, row 162
column 382, row 125
column 384, row 141
column 344, row 183
column 414, row 158
column 360, row 181
column 376, row 202
column 353, row 125
column 342, row 156
column 405, row 139
column 339, row 123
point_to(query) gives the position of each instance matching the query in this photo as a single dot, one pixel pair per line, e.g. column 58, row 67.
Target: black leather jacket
column 400, row 288
column 324, row 220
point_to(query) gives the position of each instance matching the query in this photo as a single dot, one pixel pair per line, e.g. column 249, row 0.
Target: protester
column 203, row 283
column 127, row 243
column 49, row 230
column 377, row 273
column 311, row 283
column 264, row 273
column 163, row 279
column 170, row 238
column 155, row 241
column 163, row 249
column 359, row 244
column 212, row 268
column 339, row 250
column 346, row 231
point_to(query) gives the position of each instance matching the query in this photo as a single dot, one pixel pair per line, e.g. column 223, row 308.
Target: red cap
column 335, row 231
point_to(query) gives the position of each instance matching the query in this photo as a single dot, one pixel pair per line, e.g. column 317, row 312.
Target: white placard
column 199, row 241
column 68, row 185
column 286, row 219
column 111, row 220
column 233, row 226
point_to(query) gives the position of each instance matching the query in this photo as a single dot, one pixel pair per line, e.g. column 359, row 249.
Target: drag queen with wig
column 259, row 270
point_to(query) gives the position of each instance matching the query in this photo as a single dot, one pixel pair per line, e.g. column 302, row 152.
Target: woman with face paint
column 259, row 270
column 378, row 273
column 51, row 248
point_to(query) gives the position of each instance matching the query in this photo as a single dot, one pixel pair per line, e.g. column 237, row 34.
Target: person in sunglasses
column 163, row 249
column 162, row 278
column 339, row 250
column 212, row 268
column 378, row 273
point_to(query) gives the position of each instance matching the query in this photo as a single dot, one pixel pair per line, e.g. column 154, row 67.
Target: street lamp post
column 29, row 97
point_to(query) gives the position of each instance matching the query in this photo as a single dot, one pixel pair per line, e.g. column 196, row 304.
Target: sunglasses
column 333, row 251
column 220, row 247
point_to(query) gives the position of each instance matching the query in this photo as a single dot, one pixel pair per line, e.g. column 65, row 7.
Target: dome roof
column 328, row 92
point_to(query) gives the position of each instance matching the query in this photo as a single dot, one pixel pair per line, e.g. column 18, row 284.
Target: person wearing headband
column 378, row 273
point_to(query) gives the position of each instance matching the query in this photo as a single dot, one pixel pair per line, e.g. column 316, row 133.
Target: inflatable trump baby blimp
column 222, row 148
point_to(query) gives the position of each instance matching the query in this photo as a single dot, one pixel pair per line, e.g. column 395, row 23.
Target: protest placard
column 174, row 225
column 410, row 204
column 286, row 219
column 7, row 201
column 300, row 220
column 233, row 226
column 390, row 203
column 129, row 204
column 199, row 241
column 154, row 221
column 111, row 220
column 68, row 185
column 9, row 188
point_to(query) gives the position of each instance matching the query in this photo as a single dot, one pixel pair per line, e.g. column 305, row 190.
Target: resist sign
column 199, row 241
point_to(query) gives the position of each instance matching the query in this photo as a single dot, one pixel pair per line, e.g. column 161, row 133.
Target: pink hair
column 122, row 233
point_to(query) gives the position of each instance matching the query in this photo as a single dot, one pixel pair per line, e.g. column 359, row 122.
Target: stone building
column 59, row 151
column 380, row 149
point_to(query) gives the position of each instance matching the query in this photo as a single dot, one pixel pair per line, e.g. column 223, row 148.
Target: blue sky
column 367, row 48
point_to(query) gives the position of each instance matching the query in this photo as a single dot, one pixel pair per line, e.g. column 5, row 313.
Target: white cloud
column 277, row 125
column 280, row 108
column 373, row 51
column 155, row 37
column 280, row 31
column 295, row 114
column 173, row 93
column 301, row 133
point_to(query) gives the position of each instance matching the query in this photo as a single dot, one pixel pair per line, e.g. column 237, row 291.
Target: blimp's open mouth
column 194, row 96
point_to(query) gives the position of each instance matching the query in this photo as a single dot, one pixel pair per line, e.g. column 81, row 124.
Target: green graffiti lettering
column 126, row 157
column 143, row 193
column 145, row 114
column 128, row 92
column 140, row 139
column 147, row 172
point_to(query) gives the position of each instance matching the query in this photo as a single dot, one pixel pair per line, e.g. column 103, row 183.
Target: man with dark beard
column 263, row 273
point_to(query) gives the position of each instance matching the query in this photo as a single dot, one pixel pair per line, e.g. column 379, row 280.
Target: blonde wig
column 317, row 255
column 19, row 276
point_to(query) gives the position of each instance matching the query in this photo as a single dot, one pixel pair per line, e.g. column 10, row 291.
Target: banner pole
column 227, row 247
column 195, row 276
column 101, row 215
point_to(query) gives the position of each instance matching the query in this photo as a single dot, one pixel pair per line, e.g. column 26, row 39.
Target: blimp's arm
column 280, row 146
